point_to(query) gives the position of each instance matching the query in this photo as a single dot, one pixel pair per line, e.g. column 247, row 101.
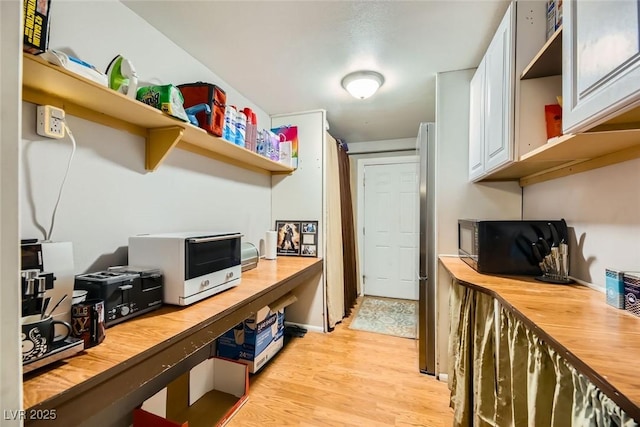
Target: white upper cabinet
column 499, row 103
column 476, row 123
column 492, row 103
column 601, row 54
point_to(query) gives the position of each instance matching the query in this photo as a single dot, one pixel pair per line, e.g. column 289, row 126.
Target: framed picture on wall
column 289, row 240
column 309, row 238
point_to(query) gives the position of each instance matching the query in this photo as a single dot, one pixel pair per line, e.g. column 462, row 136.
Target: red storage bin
column 206, row 93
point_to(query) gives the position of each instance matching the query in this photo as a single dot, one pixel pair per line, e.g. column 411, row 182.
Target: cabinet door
column 499, row 99
column 601, row 51
column 476, row 123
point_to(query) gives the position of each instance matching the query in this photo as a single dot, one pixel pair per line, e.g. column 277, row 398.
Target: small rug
column 388, row 316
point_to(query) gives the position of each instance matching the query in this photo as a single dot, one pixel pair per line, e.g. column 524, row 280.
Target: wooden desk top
column 601, row 341
column 136, row 351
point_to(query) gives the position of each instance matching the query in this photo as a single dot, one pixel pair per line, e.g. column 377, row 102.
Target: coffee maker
column 55, row 259
column 34, row 285
column 47, row 289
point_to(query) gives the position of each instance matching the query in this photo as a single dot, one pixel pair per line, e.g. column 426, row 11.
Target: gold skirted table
column 524, row 352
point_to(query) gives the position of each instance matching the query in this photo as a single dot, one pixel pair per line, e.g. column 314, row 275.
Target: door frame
column 11, row 135
column 361, row 164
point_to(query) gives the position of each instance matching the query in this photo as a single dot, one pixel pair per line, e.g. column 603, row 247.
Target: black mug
column 87, row 320
column 38, row 336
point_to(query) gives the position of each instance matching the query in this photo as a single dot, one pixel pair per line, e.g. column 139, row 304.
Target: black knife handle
column 545, row 246
column 536, row 252
column 554, row 234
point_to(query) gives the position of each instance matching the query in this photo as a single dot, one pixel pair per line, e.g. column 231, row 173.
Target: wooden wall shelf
column 103, row 384
column 570, row 154
column 548, row 61
column 45, row 83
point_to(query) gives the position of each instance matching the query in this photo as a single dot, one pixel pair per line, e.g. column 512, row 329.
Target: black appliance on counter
column 126, row 291
column 508, row 247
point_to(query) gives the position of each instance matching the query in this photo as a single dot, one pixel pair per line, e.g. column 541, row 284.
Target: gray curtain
column 502, row 374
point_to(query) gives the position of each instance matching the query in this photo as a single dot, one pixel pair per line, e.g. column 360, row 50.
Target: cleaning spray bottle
column 229, row 129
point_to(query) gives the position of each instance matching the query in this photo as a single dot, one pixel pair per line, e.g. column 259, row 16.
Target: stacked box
column 551, row 18
column 558, row 13
column 615, row 288
column 632, row 292
column 554, row 16
column 257, row 339
column 36, row 26
column 209, row 394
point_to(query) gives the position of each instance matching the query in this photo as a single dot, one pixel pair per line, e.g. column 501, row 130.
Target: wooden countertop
column 601, row 341
column 139, row 351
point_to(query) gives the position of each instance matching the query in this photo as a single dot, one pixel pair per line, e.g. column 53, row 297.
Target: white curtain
column 334, row 257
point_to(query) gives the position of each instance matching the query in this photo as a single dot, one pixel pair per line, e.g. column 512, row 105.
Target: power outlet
column 50, row 121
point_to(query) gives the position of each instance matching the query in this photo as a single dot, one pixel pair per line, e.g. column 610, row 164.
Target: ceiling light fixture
column 362, row 84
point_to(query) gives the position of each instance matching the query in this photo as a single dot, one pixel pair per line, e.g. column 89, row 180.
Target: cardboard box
column 256, row 340
column 614, row 282
column 554, row 16
column 632, row 292
column 36, row 26
column 551, row 18
column 209, row 395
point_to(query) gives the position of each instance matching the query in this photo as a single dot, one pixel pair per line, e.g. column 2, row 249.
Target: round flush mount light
column 362, row 84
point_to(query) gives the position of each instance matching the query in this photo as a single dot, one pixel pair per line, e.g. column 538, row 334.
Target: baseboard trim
column 443, row 377
column 310, row 328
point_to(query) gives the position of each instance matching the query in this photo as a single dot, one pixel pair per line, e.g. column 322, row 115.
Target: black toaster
column 126, row 291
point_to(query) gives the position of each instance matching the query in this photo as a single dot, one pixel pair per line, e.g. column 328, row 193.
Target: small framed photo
column 309, row 238
column 310, row 227
column 288, row 238
column 309, row 250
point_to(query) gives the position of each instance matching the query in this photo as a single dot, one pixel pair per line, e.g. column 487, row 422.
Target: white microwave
column 195, row 265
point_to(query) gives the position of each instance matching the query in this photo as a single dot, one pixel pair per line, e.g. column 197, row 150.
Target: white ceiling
column 289, row 56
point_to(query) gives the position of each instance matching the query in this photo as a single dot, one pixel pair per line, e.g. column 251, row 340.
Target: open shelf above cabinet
column 570, row 154
column 548, row 61
column 44, row 83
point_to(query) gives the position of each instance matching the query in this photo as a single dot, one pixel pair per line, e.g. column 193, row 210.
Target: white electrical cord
column 73, row 151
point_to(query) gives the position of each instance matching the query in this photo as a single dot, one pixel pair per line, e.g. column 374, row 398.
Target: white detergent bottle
column 241, row 128
column 229, row 130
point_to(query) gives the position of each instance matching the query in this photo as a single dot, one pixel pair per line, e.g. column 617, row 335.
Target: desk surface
column 600, row 341
column 139, row 350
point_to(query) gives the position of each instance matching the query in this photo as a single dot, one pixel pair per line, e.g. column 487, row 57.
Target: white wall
column 383, row 145
column 301, row 197
column 98, row 30
column 375, row 150
column 10, row 87
column 108, row 195
column 455, row 197
column 602, row 209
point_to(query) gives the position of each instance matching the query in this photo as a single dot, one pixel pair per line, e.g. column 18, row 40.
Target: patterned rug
column 388, row 316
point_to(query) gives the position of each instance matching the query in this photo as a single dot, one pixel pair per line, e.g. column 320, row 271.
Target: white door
column 391, row 230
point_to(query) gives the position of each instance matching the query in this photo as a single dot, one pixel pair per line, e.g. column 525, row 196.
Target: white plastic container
column 229, row 130
column 241, row 128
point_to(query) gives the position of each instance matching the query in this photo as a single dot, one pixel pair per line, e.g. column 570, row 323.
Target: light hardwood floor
column 345, row 378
